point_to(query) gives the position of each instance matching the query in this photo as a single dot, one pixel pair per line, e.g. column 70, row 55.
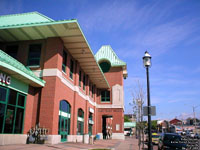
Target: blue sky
column 169, row 30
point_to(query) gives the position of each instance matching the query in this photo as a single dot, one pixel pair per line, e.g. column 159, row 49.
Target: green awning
column 17, row 70
column 129, row 124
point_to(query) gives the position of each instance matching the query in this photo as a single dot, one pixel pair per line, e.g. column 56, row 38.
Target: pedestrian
column 104, row 134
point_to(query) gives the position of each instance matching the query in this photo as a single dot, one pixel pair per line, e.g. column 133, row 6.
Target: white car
column 192, row 134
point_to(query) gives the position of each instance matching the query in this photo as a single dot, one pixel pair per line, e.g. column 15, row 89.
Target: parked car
column 192, row 134
column 171, row 141
column 155, row 138
column 197, row 136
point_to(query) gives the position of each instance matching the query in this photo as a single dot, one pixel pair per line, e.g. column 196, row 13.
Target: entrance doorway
column 107, row 126
column 64, row 120
column 64, row 128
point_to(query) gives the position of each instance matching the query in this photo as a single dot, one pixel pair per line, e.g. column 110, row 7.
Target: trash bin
column 97, row 136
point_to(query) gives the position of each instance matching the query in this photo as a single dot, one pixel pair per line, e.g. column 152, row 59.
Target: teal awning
column 17, row 70
column 129, row 124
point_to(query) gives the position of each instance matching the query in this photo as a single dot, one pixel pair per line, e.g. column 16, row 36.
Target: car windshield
column 172, row 138
column 155, row 136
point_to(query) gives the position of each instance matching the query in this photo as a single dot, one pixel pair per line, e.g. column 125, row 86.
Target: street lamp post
column 147, row 64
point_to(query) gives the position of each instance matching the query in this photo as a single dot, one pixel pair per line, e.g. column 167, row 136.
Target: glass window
column 105, row 66
column 90, row 116
column 80, row 78
column 64, row 106
column 2, row 111
column 92, row 90
column 21, row 100
column 11, row 111
column 80, row 113
column 64, row 64
column 80, row 123
column 105, row 96
column 19, row 120
column 71, row 68
column 34, row 55
column 12, row 97
column 84, row 82
column 12, row 50
column 3, row 94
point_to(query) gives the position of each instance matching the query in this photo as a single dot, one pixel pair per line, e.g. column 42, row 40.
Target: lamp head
column 147, row 59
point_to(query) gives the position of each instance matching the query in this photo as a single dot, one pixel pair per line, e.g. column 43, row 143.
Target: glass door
column 63, row 128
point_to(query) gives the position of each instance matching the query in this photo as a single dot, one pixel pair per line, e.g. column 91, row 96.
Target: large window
column 105, row 96
column 105, row 66
column 84, row 82
column 12, row 50
column 64, row 64
column 80, row 122
column 34, row 55
column 80, row 78
column 12, row 107
column 90, row 123
column 71, row 69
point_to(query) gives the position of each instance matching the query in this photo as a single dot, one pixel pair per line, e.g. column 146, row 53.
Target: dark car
column 171, row 141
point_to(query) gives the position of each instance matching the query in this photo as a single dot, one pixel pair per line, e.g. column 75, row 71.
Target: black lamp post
column 147, row 64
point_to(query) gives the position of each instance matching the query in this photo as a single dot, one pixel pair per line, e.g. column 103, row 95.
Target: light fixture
column 147, row 59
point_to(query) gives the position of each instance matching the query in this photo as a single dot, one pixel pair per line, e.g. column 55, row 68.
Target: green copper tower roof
column 107, row 53
column 15, row 68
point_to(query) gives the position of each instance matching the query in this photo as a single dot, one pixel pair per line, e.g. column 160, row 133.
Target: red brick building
column 51, row 78
column 175, row 122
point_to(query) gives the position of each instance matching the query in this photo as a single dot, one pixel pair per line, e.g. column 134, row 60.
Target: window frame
column 38, row 58
column 80, row 78
column 64, row 62
column 71, row 69
column 107, row 96
column 15, row 45
column 16, row 107
column 84, row 81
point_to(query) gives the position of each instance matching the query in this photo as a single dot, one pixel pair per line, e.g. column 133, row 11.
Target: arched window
column 65, row 106
column 105, row 66
column 80, row 122
column 64, row 120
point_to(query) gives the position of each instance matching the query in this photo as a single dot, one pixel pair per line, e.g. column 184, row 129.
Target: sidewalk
column 130, row 143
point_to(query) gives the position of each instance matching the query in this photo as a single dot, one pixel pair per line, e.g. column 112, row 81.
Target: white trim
column 80, row 119
column 109, row 106
column 91, row 110
column 91, row 122
column 59, row 74
column 64, row 114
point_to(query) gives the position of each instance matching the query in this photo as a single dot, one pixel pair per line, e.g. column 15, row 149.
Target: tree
column 138, row 96
column 127, row 119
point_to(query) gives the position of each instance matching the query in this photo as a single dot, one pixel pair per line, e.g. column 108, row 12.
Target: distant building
column 175, row 122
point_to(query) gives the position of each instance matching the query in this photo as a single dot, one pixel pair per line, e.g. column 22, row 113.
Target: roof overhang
column 17, row 70
column 73, row 38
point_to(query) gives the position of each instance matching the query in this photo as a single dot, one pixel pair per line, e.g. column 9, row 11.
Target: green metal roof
column 34, row 26
column 24, row 18
column 107, row 53
column 15, row 68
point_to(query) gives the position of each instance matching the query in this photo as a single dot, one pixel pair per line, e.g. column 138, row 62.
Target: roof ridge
column 21, row 14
